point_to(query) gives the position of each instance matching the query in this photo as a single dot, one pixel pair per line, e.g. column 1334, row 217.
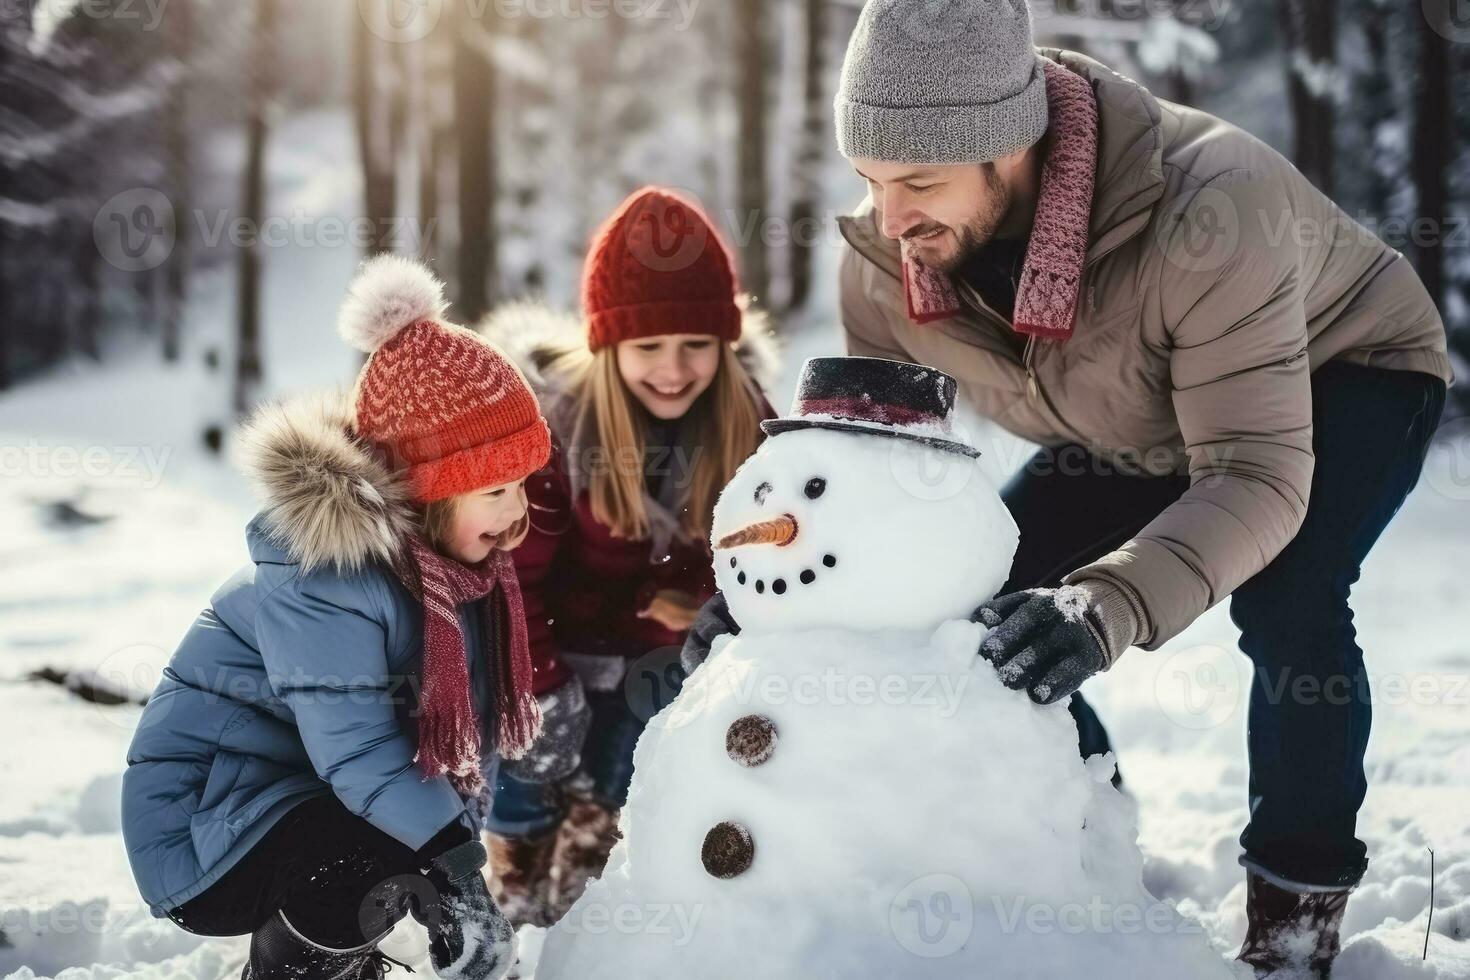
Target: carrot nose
column 779, row 531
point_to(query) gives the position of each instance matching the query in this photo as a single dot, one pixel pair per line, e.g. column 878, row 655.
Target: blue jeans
column 521, row 808
column 1310, row 707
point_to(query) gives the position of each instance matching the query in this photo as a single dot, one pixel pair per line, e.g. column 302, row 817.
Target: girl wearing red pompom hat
column 653, row 402
column 314, row 764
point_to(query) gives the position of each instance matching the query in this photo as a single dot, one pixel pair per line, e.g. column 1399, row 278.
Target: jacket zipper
column 1033, row 387
column 1034, row 391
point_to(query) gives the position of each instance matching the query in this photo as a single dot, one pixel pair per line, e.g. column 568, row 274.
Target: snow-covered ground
column 122, row 442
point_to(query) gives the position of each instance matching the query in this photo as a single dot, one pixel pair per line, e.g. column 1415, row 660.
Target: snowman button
column 728, row 850
column 750, row 740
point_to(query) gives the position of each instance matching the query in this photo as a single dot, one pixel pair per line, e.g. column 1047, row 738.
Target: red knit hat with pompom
column 445, row 405
column 657, row 266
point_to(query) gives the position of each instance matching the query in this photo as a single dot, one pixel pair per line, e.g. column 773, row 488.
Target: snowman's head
column 830, row 528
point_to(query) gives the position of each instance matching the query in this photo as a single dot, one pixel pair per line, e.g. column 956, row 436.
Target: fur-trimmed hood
column 535, row 335
column 327, row 498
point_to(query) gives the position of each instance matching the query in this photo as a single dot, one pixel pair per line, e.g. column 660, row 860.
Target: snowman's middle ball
column 858, row 531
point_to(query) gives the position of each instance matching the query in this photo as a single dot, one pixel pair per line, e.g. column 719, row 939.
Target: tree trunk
column 86, row 311
column 176, row 271
column 261, row 67
column 1374, row 106
column 1310, row 29
column 474, row 99
column 1432, row 146
column 811, row 152
column 374, row 133
column 434, row 121
column 754, row 64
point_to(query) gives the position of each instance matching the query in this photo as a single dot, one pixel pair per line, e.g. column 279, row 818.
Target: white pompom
column 390, row 293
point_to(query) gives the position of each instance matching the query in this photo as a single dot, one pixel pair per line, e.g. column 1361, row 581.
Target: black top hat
column 874, row 396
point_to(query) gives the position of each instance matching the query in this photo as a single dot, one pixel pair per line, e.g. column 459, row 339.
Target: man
column 1234, row 383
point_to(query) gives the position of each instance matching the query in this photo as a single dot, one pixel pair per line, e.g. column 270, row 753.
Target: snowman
column 845, row 788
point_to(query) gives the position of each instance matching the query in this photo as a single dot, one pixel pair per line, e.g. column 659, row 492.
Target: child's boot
column 584, row 840
column 521, row 877
column 277, row 950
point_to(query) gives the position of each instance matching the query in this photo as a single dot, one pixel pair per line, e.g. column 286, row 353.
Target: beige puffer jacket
column 1182, row 358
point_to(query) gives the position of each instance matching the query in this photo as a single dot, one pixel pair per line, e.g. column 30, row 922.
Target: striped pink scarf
column 449, row 727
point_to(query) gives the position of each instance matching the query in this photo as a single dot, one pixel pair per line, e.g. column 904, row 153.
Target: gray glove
column 469, row 938
column 557, row 751
column 1044, row 641
column 712, row 621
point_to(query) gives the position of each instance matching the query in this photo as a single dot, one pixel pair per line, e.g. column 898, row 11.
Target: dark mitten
column 469, row 938
column 565, row 718
column 1044, row 641
column 713, row 621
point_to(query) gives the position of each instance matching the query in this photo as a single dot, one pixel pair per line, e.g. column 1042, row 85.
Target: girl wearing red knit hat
column 315, row 763
column 653, row 405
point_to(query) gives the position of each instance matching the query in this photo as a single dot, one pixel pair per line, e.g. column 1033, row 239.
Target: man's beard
column 974, row 234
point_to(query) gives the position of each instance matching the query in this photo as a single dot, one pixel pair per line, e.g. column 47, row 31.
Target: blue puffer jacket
column 301, row 677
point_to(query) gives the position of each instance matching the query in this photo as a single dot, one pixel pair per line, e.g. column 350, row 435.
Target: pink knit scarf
column 1046, row 297
column 448, row 725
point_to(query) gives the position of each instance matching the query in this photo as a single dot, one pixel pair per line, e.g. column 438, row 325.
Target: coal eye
column 815, row 487
column 762, row 492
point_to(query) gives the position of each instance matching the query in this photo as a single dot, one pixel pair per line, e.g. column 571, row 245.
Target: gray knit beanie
column 940, row 81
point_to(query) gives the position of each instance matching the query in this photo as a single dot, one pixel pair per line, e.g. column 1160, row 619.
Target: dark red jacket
column 583, row 588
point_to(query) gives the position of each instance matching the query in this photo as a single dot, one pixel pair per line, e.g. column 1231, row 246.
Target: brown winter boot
column 1291, row 934
column 520, row 877
column 585, row 839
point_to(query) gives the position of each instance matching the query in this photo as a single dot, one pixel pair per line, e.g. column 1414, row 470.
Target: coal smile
column 779, row 586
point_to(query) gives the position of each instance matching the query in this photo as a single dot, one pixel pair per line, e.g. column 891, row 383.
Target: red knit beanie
column 444, row 404
column 657, row 266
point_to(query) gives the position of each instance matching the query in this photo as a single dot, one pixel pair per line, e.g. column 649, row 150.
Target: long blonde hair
column 725, row 422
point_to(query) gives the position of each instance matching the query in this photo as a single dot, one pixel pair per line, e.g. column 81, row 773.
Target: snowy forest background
column 492, row 134
column 186, row 187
